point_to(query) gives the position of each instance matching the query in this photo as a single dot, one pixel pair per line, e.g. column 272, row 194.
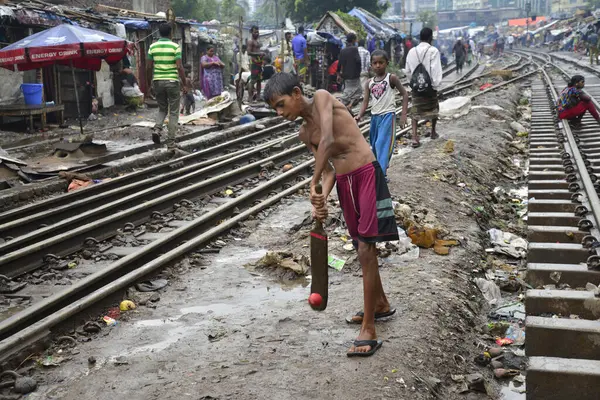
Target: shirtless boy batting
column 332, row 135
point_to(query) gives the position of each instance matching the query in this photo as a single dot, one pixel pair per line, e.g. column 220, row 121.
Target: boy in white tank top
column 380, row 93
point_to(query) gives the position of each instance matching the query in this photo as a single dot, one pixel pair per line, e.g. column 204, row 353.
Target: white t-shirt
column 430, row 59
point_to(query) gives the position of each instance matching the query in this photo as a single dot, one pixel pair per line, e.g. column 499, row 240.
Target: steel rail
column 28, row 325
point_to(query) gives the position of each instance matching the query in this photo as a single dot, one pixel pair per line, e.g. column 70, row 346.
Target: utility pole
column 404, row 16
column 527, row 10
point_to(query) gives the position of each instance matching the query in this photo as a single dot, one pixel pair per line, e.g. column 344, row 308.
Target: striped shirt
column 164, row 53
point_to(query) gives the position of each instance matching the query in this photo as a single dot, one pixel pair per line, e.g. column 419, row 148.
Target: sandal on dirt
column 416, row 144
column 375, row 345
column 378, row 316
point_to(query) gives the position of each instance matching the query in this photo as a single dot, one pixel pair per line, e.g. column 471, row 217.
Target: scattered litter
column 109, row 321
column 516, row 335
column 455, row 107
column 216, row 336
column 78, row 184
column 502, row 373
column 120, row 360
column 493, row 107
column 336, row 263
column 442, row 247
column 348, row 247
column 114, row 312
column 126, row 305
column 513, row 312
column 490, row 291
column 517, row 127
column 503, row 341
column 485, row 86
column 476, row 383
column 151, row 286
column 449, row 146
column 51, row 361
column 590, row 287
column 498, row 328
column 507, row 243
column 422, row 236
column 285, row 264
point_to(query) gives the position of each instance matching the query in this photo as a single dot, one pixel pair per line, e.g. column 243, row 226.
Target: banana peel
column 127, row 305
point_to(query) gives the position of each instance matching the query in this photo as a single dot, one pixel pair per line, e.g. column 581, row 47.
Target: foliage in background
column 354, row 24
column 428, row 18
column 313, row 10
column 269, row 9
column 200, row 10
column 232, row 10
column 206, row 10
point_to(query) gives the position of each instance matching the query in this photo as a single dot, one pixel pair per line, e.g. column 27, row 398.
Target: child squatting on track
column 380, row 91
column 332, row 135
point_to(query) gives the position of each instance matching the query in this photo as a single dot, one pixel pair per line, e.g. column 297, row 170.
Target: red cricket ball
column 315, row 300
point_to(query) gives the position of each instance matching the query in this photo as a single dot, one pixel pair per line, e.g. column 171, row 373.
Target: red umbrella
column 64, row 44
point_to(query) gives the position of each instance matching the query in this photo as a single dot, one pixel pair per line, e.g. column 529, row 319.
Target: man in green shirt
column 166, row 71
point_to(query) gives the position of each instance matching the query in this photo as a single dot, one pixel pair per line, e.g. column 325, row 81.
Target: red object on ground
column 485, row 86
column 114, row 312
column 64, row 44
column 315, row 299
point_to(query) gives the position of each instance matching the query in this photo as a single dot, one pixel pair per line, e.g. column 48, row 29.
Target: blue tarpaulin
column 373, row 25
column 135, row 23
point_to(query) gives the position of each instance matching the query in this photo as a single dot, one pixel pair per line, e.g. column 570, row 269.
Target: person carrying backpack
column 424, row 71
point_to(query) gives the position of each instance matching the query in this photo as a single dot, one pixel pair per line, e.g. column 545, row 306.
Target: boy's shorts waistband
column 366, row 167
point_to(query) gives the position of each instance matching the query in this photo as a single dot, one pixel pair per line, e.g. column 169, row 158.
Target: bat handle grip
column 319, row 190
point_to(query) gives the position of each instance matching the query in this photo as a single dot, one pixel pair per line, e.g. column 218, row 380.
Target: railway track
column 116, row 233
column 563, row 331
column 97, row 162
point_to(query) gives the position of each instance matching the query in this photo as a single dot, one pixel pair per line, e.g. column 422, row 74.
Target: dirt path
column 222, row 331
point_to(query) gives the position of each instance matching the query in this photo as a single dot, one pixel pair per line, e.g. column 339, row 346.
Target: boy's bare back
column 349, row 150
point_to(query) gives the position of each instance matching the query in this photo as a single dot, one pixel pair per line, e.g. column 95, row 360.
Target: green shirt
column 164, row 53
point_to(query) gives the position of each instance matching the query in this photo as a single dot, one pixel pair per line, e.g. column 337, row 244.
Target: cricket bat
column 318, row 260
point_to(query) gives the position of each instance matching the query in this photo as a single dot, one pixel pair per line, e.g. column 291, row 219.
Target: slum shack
column 323, row 50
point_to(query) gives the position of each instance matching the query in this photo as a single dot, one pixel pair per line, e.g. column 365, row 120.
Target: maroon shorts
column 367, row 204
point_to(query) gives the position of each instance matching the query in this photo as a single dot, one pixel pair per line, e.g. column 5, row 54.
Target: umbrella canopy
column 64, row 44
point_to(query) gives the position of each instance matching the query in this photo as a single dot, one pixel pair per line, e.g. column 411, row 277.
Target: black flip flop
column 378, row 316
column 375, row 345
column 416, row 144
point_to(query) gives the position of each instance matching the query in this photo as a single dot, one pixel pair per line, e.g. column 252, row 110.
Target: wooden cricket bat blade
column 319, row 261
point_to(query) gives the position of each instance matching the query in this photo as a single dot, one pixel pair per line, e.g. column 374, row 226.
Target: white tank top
column 383, row 100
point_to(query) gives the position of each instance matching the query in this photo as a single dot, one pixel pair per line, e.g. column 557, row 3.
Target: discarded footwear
column 357, row 318
column 375, row 345
column 151, row 286
column 502, row 373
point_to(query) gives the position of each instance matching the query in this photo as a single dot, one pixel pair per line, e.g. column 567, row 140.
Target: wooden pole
column 77, row 98
column 239, row 82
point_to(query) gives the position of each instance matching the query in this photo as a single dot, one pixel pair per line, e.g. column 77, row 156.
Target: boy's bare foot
column 434, row 135
column 366, row 344
column 380, row 314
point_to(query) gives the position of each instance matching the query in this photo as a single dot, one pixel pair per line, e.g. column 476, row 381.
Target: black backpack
column 420, row 81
